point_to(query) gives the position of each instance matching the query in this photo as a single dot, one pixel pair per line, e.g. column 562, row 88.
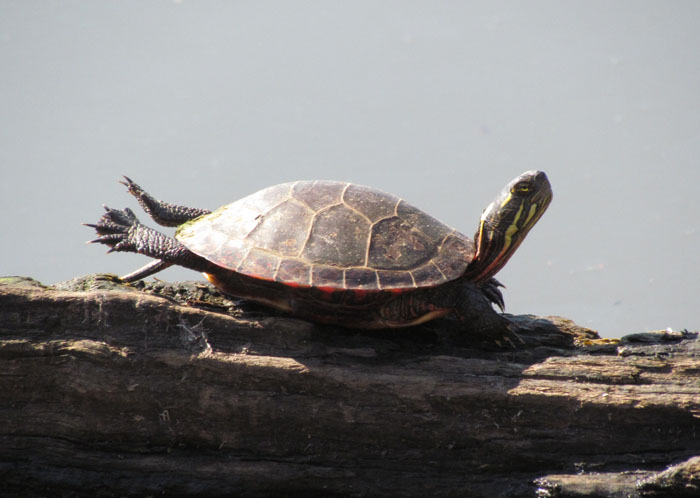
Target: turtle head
column 506, row 221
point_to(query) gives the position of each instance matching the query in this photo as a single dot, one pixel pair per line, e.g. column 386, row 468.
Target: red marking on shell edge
column 294, row 284
column 328, row 290
column 359, row 293
column 258, row 277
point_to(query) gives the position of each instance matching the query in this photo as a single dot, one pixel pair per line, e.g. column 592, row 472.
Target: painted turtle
column 334, row 252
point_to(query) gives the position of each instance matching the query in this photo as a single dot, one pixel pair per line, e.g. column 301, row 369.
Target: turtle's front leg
column 163, row 213
column 491, row 290
column 473, row 307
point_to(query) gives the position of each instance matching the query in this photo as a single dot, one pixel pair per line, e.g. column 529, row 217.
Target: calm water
column 440, row 104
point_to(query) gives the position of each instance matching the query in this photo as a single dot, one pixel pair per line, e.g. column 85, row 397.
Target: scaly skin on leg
column 122, row 231
column 146, row 270
column 163, row 213
column 473, row 307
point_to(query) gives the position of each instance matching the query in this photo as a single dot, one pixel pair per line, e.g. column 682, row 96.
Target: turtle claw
column 103, row 239
column 132, row 187
column 146, row 201
column 115, row 241
column 125, row 218
column 119, row 247
column 114, row 229
column 493, row 293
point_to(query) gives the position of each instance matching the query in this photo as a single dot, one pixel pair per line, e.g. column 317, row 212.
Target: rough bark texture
column 109, row 390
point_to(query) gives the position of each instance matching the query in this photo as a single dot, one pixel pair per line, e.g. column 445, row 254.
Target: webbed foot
column 117, row 229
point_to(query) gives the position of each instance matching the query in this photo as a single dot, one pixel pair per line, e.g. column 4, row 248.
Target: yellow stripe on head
column 533, row 211
column 512, row 230
column 506, row 200
column 506, row 222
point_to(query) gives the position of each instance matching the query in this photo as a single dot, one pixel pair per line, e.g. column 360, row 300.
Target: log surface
column 112, row 390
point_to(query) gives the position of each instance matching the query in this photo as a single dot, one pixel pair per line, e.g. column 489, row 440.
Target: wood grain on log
column 113, row 390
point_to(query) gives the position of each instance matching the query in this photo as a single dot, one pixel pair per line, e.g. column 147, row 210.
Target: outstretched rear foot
column 121, row 231
column 163, row 213
column 117, row 229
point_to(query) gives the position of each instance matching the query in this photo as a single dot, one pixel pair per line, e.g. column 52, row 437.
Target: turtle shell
column 330, row 235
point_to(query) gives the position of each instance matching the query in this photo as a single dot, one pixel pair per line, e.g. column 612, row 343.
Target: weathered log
column 115, row 390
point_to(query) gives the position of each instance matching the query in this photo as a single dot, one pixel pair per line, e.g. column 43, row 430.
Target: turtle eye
column 522, row 188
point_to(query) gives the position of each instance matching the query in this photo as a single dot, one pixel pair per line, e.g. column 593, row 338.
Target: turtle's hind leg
column 122, row 231
column 163, row 213
column 146, row 270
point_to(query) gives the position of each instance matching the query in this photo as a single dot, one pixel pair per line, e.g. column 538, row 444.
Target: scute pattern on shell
column 332, row 235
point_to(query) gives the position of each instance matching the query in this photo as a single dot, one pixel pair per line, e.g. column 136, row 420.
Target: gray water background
column 441, row 103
